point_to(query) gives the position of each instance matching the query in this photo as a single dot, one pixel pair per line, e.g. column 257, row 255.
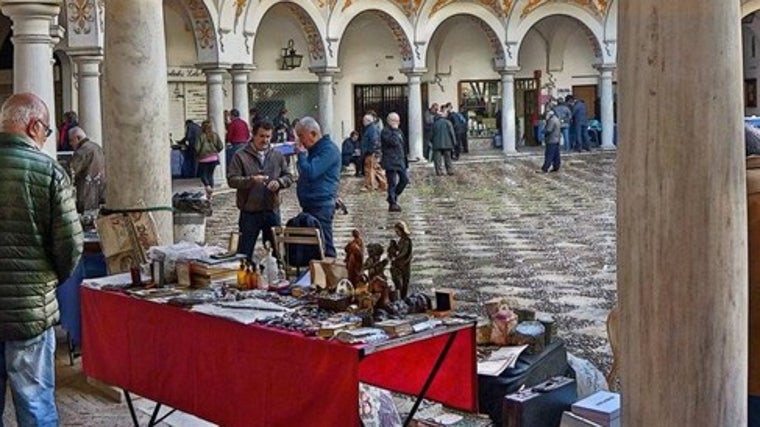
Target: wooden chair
column 286, row 236
column 613, row 323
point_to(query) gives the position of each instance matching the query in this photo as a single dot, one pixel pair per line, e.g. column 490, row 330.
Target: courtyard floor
column 495, row 229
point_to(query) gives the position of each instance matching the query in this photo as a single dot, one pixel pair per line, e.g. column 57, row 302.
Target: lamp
column 290, row 59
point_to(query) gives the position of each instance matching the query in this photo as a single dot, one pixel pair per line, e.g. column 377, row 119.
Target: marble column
column 215, row 112
column 681, row 209
column 415, row 115
column 240, row 88
column 326, row 116
column 135, row 111
column 33, row 52
column 89, row 109
column 607, row 105
column 508, row 118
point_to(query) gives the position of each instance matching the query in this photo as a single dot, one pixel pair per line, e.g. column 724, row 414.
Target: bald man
column 42, row 242
column 394, row 161
column 88, row 170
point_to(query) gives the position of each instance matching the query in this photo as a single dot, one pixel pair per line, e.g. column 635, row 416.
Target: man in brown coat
column 258, row 172
column 88, row 170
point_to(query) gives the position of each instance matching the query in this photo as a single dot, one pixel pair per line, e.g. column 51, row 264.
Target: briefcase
column 540, row 406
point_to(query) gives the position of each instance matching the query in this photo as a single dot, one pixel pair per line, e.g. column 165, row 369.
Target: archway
column 374, row 48
column 556, row 58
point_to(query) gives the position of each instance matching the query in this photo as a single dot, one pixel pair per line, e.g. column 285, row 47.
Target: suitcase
column 540, row 406
column 529, row 370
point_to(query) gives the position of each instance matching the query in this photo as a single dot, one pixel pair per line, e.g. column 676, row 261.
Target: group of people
column 444, row 135
column 566, row 120
column 380, row 155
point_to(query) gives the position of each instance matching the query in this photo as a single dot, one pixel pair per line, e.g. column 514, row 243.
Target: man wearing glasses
column 42, row 239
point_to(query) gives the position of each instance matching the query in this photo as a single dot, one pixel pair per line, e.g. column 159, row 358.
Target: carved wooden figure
column 400, row 254
column 355, row 258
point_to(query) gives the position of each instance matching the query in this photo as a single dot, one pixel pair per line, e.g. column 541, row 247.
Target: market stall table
column 242, row 375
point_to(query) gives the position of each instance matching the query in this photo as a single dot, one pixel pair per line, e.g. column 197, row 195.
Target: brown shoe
column 394, row 208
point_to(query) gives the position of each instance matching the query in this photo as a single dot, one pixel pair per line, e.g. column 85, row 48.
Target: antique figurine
column 355, row 258
column 400, row 254
column 375, row 264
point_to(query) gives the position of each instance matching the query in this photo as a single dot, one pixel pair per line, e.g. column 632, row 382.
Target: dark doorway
column 385, row 99
column 527, row 107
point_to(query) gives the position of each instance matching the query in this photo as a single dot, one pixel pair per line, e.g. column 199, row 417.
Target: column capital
column 207, row 67
column 608, row 67
column 242, row 68
column 88, row 54
column 29, row 8
column 325, row 71
column 508, row 70
column 418, row 72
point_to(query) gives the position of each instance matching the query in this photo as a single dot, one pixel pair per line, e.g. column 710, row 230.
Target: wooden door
column 385, row 99
column 588, row 93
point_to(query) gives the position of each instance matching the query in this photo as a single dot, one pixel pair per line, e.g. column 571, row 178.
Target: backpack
column 301, row 255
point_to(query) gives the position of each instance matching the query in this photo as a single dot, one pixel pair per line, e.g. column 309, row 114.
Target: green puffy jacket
column 40, row 237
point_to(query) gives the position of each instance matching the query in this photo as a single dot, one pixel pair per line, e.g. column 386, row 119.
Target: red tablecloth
column 247, row 375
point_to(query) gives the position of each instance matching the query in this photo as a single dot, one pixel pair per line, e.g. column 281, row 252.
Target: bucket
column 189, row 227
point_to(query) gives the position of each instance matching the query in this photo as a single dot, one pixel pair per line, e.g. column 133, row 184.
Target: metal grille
column 385, row 99
column 301, row 99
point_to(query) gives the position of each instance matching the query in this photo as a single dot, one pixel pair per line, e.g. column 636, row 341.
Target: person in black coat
column 394, row 160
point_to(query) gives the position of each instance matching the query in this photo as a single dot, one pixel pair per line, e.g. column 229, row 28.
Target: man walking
column 394, row 161
column 552, row 137
column 427, row 129
column 42, row 244
column 443, row 141
column 565, row 116
column 580, row 125
column 88, row 170
column 258, row 173
column 318, row 177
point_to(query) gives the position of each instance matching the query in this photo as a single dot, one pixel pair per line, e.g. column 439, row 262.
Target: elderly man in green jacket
column 42, row 242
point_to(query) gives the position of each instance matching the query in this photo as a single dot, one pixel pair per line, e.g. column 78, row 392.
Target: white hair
column 393, row 117
column 78, row 132
column 367, row 119
column 15, row 114
column 309, row 124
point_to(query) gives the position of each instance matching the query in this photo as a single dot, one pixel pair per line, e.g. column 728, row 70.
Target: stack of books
column 602, row 407
column 202, row 273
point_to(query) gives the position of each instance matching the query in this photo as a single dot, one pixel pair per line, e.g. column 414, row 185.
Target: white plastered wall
column 751, row 63
column 460, row 47
column 277, row 27
column 368, row 55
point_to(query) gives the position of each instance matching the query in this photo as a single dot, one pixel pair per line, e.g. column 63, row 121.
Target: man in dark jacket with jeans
column 394, row 161
column 42, row 239
column 318, row 177
column 258, row 173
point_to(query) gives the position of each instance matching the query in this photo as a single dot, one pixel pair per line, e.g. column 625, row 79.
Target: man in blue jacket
column 318, row 176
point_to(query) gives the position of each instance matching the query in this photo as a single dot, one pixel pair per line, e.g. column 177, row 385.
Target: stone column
column 33, row 52
column 240, row 88
column 508, row 118
column 415, row 115
column 326, row 117
column 608, row 112
column 136, row 110
column 89, row 110
column 215, row 112
column 682, row 227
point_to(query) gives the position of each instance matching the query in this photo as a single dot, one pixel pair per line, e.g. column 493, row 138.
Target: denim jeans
column 397, row 181
column 206, row 171
column 566, row 135
column 580, row 133
column 29, row 367
column 325, row 215
column 251, row 224
column 551, row 158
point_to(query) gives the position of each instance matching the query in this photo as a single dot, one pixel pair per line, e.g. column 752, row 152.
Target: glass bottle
column 241, row 278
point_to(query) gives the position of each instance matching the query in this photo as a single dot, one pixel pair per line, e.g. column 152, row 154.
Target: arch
column 483, row 16
column 232, row 13
column 749, row 7
column 516, row 34
column 308, row 17
column 208, row 41
column 395, row 18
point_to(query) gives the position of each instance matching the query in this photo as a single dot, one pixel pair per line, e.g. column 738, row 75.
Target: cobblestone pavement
column 496, row 228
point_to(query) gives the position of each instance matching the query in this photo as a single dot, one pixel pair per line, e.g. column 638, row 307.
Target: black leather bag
column 529, row 371
column 301, row 255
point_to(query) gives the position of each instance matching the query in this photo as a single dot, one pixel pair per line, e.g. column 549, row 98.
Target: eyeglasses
column 48, row 130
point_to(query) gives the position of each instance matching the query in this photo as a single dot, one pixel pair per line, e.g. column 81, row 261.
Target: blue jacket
column 370, row 142
column 580, row 113
column 319, row 174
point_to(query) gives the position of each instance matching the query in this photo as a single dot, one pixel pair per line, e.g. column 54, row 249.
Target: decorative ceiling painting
column 313, row 37
column 82, row 13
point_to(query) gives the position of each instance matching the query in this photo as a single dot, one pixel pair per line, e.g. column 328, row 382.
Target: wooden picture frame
column 750, row 93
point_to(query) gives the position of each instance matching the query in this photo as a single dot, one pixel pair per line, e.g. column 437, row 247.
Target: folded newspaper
column 500, row 360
